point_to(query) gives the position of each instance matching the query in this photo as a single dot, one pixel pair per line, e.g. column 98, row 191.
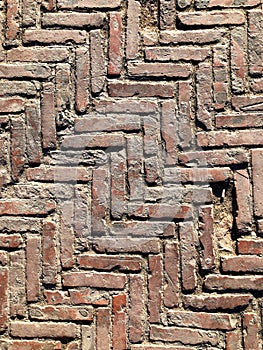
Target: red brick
column 257, row 164
column 155, row 281
column 176, row 54
column 126, row 106
column 202, row 320
column 243, row 264
column 103, row 328
column 251, row 332
column 204, row 36
column 214, row 18
column 118, row 170
column 61, row 313
column 26, row 70
column 184, row 335
column 167, row 14
column 95, row 279
column 169, row 130
column 3, row 298
column 38, row 54
column 29, row 13
column 87, row 297
column 3, row 258
column 49, row 253
column 208, row 302
column 48, row 116
column 48, row 4
column 221, row 79
column 46, row 36
column 33, row 268
column 69, row 19
column 255, row 42
column 56, row 297
column 234, row 121
column 10, row 241
column 43, row 329
column 58, row 174
column 115, row 45
column 107, row 263
column 227, row 138
column 132, row 33
column 137, row 310
column 93, row 141
column 226, row 3
column 171, row 274
column 167, row 70
column 12, row 20
column 35, row 345
column 98, row 63
column 82, row 79
column 11, row 105
column 223, row 283
column 119, row 337
column 160, row 347
column 16, row 87
column 160, row 211
column 17, row 284
column 206, row 234
column 233, row 340
column 87, row 4
column 18, row 147
column 140, row 89
column 67, row 240
column 195, row 175
column 251, row 103
column 100, row 186
column 250, row 246
column 238, row 59
column 26, row 207
column 64, row 92
column 33, row 133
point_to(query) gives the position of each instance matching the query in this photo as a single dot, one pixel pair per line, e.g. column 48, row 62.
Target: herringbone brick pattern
column 131, row 210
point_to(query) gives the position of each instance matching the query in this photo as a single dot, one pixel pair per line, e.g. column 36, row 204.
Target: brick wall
column 131, row 210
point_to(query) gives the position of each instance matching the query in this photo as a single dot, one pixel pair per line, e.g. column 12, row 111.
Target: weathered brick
column 35, row 344
column 107, row 263
column 119, row 337
column 132, row 36
column 64, row 19
column 38, row 54
column 125, row 89
column 223, row 283
column 26, row 70
column 257, row 163
column 49, row 253
column 206, row 229
column 214, row 18
column 98, row 63
column 43, row 329
column 176, row 54
column 204, row 36
column 115, row 45
column 250, row 246
column 171, row 275
column 155, row 281
column 242, row 264
column 137, row 312
column 59, row 313
column 88, row 297
column 82, row 79
column 46, row 36
column 87, row 4
column 48, row 116
column 103, row 328
column 17, row 284
column 33, row 267
column 4, row 298
column 251, row 331
column 96, row 280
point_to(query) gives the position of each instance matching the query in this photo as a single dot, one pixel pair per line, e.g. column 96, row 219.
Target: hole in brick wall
column 223, row 193
column 149, row 13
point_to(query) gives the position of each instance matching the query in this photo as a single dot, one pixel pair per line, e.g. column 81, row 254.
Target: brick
column 119, row 337
column 159, row 347
column 242, row 264
column 43, row 329
column 257, row 163
column 96, row 280
column 56, row 297
column 10, row 241
column 35, row 344
column 137, row 312
column 82, row 79
column 228, row 138
column 64, row 92
column 49, row 253
column 103, row 328
column 171, row 274
column 16, row 87
column 33, row 133
column 37, row 54
column 107, row 263
column 167, row 14
column 33, row 268
column 26, row 70
column 250, row 246
column 132, row 34
column 87, row 297
column 234, row 121
column 159, row 211
column 169, row 70
column 93, row 141
column 115, row 45
column 195, row 175
column 202, row 320
column 66, row 231
column 69, row 19
column 247, row 103
column 204, row 36
column 46, row 36
column 11, row 105
column 216, row 282
column 12, row 20
column 221, row 80
column 29, row 13
column 227, row 3
column 208, row 302
column 255, row 42
column 233, row 340
column 155, row 281
column 126, row 106
column 87, row 4
column 238, row 60
column 18, row 147
column 17, row 284
column 251, row 331
column 206, row 233
column 58, row 174
column 184, row 335
column 17, row 224
column 48, row 4
column 48, row 116
column 98, row 63
column 59, row 313
column 3, row 298
column 124, row 89
column 169, row 130
column 176, row 54
column 214, row 18
column 26, row 207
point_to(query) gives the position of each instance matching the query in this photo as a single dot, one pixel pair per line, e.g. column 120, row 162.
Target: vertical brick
column 119, row 337
column 33, row 133
column 188, row 256
column 167, row 14
column 82, row 211
column 67, row 240
column 234, row 340
column 204, row 95
column 206, row 229
column 49, row 253
column 169, row 131
column 137, row 314
column 220, row 70
column 18, row 147
column 185, row 115
column 82, row 79
column 251, row 331
column 17, row 284
column 33, row 268
column 88, row 337
column 48, row 4
column 48, row 116
column 135, row 167
column 171, row 269
column 29, row 13
column 238, row 59
column 3, row 298
column 155, row 281
column 118, row 184
column 115, row 44
column 64, row 87
column 255, row 42
column 103, row 329
column 98, row 64
column 257, row 166
column 132, row 33
column 12, row 20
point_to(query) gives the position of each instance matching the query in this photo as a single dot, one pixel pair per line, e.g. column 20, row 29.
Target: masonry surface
column 131, row 166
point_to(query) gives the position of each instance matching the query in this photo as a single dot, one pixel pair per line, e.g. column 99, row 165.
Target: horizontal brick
column 17, row 87
column 126, row 245
column 69, row 19
column 208, row 302
column 96, row 280
column 248, row 120
column 245, row 263
column 125, row 106
column 201, row 320
column 222, row 283
column 184, row 53
column 92, row 141
column 176, row 175
column 10, row 224
column 43, row 330
column 26, row 207
column 34, row 344
column 109, row 123
column 199, row 36
column 61, row 313
column 107, row 263
column 250, row 246
column 170, row 70
column 139, row 229
column 11, row 104
column 88, row 297
column 46, row 36
column 38, row 54
column 228, row 138
column 214, row 18
column 160, row 347
column 59, row 174
column 88, row 4
column 226, row 3
column 185, row 336
column 25, row 70
column 140, row 89
column 214, row 158
column 160, row 211
column 252, row 103
column 10, row 241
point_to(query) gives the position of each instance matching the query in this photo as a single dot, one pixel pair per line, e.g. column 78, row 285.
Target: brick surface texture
column 131, row 166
